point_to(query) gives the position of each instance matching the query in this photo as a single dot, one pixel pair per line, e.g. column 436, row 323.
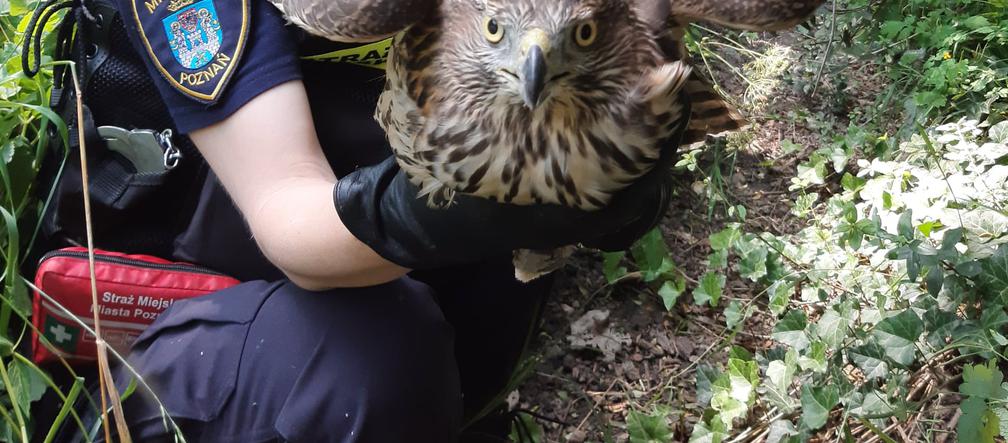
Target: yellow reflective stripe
column 372, row 55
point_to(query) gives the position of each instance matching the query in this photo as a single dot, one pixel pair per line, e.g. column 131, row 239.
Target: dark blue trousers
column 408, row 361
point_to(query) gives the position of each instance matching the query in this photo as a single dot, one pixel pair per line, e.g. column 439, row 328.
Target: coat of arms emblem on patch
column 194, row 44
column 194, row 34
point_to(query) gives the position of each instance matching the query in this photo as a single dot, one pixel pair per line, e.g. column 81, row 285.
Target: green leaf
column 815, row 359
column 744, row 377
column 983, row 382
column 740, row 353
column 671, row 290
column 645, row 428
column 779, row 377
column 790, row 330
column 780, row 295
column 891, row 29
column 6, row 347
column 705, row 377
column 728, row 407
column 905, row 225
column 715, row 432
column 718, row 260
column 611, row 266
column 781, row 431
column 1002, row 414
column 927, row 228
column 999, row 133
column 526, row 429
column 985, row 224
column 733, row 314
column 19, row 298
column 729, row 400
column 898, row 334
column 27, row 382
column 752, row 264
column 652, row 256
column 817, row 402
column 710, row 289
column 977, row 424
column 789, row 147
column 741, row 211
column 873, row 402
column 969, row 269
column 951, row 238
column 833, row 326
column 994, row 275
column 977, row 22
column 724, row 240
column 1001, row 340
column 803, row 204
column 852, row 183
column 870, row 358
column 935, row 279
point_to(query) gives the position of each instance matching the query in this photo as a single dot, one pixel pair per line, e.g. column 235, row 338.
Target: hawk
column 539, row 101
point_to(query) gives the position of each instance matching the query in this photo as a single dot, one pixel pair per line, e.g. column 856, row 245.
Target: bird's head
column 531, row 52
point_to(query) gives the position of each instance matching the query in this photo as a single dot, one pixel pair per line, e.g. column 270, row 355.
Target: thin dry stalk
column 106, row 385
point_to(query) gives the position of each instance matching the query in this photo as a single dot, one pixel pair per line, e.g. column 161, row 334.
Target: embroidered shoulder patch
column 195, row 44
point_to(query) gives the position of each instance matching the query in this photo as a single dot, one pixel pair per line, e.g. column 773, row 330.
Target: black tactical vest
column 182, row 212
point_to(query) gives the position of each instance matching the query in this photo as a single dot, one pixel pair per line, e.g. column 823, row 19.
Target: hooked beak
column 534, row 46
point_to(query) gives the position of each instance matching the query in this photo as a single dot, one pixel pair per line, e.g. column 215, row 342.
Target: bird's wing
column 354, row 20
column 754, row 15
column 711, row 113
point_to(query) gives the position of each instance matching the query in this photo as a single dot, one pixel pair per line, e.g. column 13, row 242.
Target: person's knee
column 378, row 364
column 358, row 365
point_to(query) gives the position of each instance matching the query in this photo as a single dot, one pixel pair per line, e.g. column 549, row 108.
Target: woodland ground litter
column 659, row 349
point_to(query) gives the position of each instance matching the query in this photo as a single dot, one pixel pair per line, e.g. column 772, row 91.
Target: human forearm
column 314, row 258
column 268, row 158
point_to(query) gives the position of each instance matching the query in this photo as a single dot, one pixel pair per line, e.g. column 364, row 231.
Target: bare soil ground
column 591, row 396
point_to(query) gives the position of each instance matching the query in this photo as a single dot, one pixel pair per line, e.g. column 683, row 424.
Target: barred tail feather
column 712, row 114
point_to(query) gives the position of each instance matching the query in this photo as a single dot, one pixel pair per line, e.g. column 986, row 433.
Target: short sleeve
column 210, row 57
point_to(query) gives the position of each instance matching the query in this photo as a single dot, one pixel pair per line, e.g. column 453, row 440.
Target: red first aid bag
column 132, row 291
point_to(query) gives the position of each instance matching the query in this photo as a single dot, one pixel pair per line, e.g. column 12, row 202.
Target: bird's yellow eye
column 492, row 30
column 585, row 33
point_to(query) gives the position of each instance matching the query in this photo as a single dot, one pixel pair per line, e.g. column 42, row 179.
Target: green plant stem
column 67, row 399
column 827, row 53
column 7, row 418
column 875, row 430
column 68, row 402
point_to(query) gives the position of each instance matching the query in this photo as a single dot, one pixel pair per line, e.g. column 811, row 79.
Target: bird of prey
column 539, row 101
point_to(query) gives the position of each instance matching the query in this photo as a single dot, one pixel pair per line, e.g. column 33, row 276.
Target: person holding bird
column 367, row 313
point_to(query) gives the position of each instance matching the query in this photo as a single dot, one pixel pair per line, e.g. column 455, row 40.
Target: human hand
column 379, row 205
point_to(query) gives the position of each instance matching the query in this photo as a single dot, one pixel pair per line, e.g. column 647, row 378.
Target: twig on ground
column 826, row 53
column 595, row 406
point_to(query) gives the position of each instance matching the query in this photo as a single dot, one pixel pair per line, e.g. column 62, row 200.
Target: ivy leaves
column 984, row 415
column 907, row 263
column 817, row 402
column 993, row 274
column 874, row 283
column 897, row 336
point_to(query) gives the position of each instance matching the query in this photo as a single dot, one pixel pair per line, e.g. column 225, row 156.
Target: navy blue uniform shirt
column 210, row 57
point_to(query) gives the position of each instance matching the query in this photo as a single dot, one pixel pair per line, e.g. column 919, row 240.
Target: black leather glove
column 379, row 205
